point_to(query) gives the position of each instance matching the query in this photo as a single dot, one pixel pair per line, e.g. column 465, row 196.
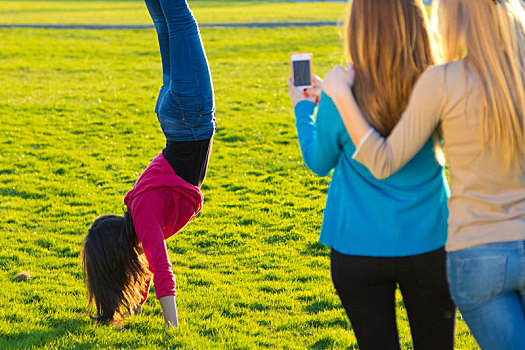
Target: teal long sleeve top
column 404, row 214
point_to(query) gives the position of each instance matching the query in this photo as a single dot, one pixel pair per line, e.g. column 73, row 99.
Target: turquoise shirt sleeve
column 321, row 138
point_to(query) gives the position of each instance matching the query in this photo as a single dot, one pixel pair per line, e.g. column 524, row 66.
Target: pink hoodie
column 161, row 203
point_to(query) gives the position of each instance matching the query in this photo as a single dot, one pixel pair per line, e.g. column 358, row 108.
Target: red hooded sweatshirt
column 161, row 203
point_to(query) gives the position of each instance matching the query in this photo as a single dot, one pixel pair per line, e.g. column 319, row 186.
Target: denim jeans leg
column 159, row 20
column 486, row 282
column 187, row 110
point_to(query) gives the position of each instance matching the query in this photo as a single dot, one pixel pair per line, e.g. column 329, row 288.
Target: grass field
column 134, row 12
column 78, row 129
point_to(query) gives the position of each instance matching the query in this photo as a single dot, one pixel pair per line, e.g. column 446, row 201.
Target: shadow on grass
column 328, row 342
column 321, row 306
column 11, row 192
column 316, row 249
column 58, row 333
column 56, row 329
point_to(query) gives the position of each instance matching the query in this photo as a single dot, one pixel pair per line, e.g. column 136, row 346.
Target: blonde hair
column 390, row 45
column 490, row 35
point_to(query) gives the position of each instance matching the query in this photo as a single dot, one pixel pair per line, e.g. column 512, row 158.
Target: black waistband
column 189, row 159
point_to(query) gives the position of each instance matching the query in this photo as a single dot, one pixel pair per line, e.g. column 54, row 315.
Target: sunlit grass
column 78, row 129
column 134, row 12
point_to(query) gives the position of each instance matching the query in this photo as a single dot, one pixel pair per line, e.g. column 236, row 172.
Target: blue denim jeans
column 487, row 283
column 185, row 106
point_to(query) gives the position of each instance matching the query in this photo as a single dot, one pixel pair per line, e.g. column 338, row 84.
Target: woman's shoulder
column 438, row 84
column 432, row 78
column 441, row 72
column 446, row 68
column 450, row 75
column 328, row 117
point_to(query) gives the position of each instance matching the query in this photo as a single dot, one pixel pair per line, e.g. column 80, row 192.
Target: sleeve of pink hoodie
column 149, row 217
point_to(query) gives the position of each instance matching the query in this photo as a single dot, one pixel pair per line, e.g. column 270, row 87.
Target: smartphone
column 302, row 69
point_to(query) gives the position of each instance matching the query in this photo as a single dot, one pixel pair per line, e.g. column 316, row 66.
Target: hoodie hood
column 160, row 174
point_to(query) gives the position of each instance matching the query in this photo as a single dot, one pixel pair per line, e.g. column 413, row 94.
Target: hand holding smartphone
column 302, row 69
column 303, row 84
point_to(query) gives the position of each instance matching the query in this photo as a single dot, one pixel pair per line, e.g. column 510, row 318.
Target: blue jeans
column 185, row 106
column 487, row 283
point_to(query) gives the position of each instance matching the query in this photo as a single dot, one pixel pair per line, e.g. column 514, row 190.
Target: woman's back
column 402, row 215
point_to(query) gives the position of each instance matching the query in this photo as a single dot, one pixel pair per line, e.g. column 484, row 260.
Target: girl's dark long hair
column 115, row 270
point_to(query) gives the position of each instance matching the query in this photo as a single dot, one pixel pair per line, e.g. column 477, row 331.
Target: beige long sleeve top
column 487, row 202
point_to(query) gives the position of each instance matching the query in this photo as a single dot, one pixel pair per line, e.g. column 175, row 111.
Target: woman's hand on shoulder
column 339, row 80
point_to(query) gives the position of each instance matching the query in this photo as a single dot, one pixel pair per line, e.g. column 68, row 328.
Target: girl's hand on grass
column 339, row 81
column 296, row 95
column 169, row 310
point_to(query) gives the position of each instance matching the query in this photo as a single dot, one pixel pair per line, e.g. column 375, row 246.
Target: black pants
column 366, row 287
column 189, row 159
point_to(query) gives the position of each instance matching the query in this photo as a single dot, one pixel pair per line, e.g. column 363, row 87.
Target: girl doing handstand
column 119, row 252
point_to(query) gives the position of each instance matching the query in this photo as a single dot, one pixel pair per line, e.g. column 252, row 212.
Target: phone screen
column 301, row 73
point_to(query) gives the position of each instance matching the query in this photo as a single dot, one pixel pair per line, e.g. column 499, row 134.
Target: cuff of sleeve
column 304, row 107
column 164, row 283
column 166, row 293
column 362, row 142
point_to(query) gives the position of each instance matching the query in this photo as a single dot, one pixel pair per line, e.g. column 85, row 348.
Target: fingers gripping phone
column 302, row 69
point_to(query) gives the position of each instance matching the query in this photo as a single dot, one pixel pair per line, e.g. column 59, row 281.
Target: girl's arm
column 384, row 156
column 148, row 226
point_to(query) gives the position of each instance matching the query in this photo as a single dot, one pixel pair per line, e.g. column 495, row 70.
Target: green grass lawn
column 76, row 109
column 134, row 12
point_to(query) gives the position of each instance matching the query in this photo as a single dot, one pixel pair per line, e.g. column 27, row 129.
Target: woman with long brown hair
column 477, row 100
column 382, row 233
